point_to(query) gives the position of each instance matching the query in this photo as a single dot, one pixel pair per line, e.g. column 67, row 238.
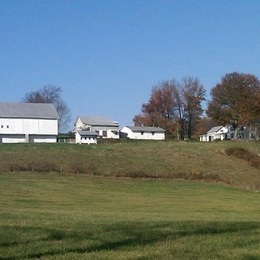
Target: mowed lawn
column 75, row 216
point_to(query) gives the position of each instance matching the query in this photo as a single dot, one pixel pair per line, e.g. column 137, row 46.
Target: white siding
column 12, row 139
column 85, row 139
column 28, row 126
column 143, row 135
column 15, row 130
column 106, row 132
column 42, row 139
column 221, row 134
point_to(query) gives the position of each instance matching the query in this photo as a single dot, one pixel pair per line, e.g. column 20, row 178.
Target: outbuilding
column 142, row 133
column 86, row 137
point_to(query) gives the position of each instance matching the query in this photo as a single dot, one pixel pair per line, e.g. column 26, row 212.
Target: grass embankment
column 171, row 160
column 74, row 216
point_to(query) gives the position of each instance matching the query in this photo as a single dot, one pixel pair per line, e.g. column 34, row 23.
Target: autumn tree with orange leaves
column 174, row 106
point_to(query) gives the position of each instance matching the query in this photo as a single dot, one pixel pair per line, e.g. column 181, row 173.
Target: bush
column 242, row 153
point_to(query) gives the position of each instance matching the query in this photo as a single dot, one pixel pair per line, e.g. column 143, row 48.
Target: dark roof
column 28, row 110
column 215, row 129
column 87, row 133
column 145, row 129
column 97, row 121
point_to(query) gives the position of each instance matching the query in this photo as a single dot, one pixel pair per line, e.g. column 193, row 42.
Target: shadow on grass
column 108, row 237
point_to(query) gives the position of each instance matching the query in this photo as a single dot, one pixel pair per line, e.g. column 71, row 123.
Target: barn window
column 105, row 133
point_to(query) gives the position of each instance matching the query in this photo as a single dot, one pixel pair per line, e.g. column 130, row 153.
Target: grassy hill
column 171, row 160
column 69, row 216
column 130, row 200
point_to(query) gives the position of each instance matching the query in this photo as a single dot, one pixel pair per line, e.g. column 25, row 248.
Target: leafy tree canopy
column 235, row 100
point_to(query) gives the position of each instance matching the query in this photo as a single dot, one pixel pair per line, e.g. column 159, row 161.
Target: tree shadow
column 116, row 236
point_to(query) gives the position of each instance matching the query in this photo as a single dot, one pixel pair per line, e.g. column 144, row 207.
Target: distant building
column 142, row 133
column 86, row 137
column 28, row 122
column 224, row 133
column 102, row 126
column 215, row 133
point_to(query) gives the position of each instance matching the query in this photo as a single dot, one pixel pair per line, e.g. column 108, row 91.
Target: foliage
column 51, row 94
column 236, row 100
column 204, row 124
column 174, row 106
column 59, row 216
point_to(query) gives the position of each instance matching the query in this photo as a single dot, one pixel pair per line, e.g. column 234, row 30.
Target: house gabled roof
column 97, row 121
column 146, row 129
column 214, row 129
column 28, row 110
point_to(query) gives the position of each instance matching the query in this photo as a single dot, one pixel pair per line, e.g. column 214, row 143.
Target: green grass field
column 50, row 210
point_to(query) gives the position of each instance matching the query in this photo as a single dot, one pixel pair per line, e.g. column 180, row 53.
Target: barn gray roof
column 97, row 121
column 145, row 129
column 28, row 110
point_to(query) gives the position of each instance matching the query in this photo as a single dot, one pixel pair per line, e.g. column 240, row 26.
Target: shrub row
column 244, row 154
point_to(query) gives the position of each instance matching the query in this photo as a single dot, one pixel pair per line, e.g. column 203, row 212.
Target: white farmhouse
column 215, row 133
column 103, row 126
column 28, row 122
column 86, row 137
column 143, row 133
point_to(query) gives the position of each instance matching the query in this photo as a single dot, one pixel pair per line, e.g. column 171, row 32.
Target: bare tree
column 51, row 94
column 173, row 106
column 193, row 93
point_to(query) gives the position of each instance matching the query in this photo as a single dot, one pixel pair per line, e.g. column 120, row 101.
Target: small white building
column 28, row 122
column 86, row 137
column 103, row 126
column 142, row 133
column 215, row 133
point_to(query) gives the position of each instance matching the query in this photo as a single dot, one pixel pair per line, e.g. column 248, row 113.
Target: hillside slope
column 180, row 160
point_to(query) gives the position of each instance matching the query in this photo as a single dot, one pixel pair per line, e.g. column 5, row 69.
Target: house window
column 7, row 126
column 105, row 133
column 142, row 133
column 2, row 126
column 152, row 133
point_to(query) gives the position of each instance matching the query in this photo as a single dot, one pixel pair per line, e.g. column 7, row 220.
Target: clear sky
column 107, row 54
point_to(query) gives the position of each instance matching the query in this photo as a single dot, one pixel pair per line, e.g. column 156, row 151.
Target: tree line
column 177, row 106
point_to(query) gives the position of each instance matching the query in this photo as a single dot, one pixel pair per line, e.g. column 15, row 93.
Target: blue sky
column 106, row 55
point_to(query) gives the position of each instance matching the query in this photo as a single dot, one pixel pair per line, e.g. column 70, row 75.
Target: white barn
column 103, row 126
column 86, row 137
column 143, row 133
column 28, row 122
column 215, row 133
